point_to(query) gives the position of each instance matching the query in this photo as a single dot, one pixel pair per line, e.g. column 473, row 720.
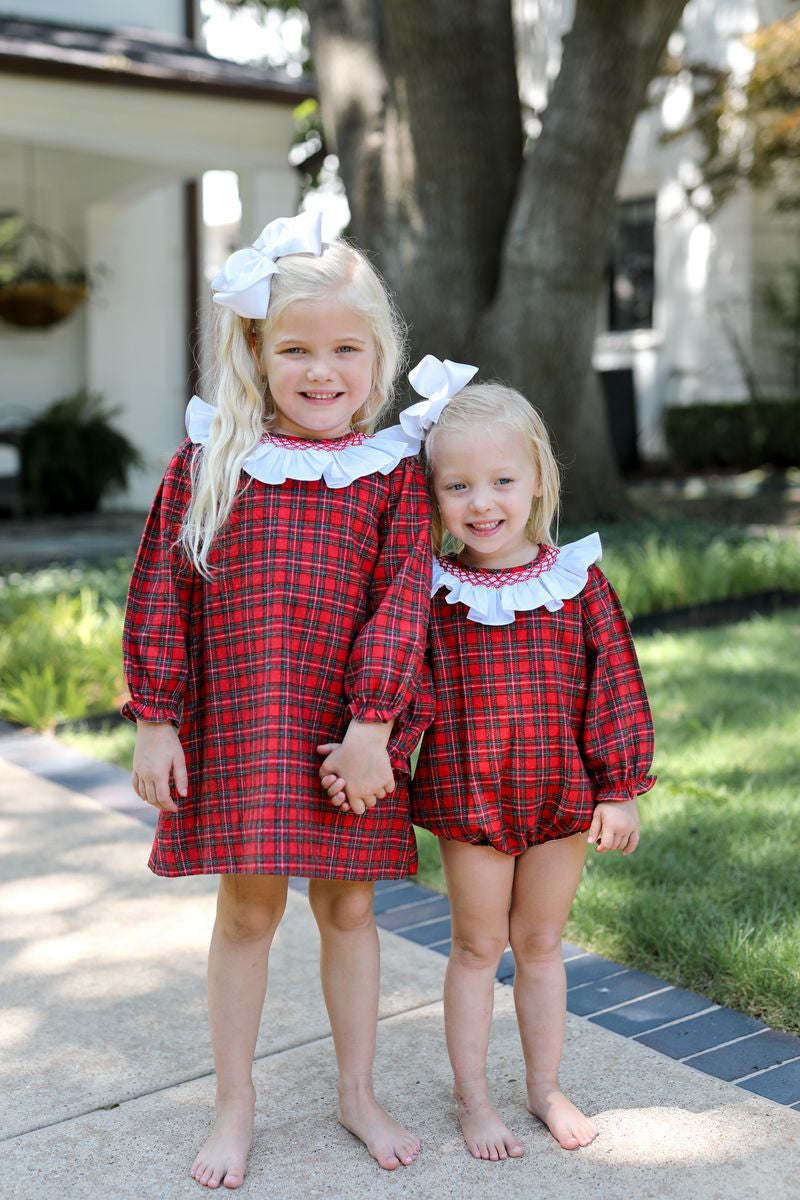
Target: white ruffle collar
column 493, row 597
column 339, row 463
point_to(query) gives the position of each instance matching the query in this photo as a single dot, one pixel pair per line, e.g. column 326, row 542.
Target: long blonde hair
column 481, row 407
column 240, row 390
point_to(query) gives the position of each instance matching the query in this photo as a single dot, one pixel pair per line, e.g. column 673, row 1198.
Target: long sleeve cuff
column 370, row 712
column 619, row 793
column 138, row 710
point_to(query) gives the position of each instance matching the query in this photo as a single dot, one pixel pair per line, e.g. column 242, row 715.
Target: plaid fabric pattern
column 536, row 722
column 318, row 608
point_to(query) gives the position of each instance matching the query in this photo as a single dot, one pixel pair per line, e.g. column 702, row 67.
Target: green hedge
column 744, row 435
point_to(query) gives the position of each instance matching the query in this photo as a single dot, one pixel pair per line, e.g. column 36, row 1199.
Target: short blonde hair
column 482, row 406
column 240, row 389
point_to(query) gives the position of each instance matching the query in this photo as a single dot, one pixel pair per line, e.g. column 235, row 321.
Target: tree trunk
column 493, row 260
column 540, row 330
column 420, row 100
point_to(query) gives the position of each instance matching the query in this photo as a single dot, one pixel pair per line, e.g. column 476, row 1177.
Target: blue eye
column 505, row 479
column 454, row 487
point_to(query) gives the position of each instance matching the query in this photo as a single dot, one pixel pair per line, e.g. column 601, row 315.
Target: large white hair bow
column 439, row 382
column 245, row 281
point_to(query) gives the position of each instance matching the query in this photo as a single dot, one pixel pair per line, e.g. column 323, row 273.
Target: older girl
column 280, row 601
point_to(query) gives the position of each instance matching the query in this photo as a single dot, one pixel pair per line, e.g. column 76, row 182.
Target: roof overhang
column 133, row 58
column 172, row 105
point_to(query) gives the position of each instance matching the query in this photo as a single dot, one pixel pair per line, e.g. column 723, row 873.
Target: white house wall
column 109, row 169
column 707, row 273
column 110, row 14
column 137, row 338
column 39, row 366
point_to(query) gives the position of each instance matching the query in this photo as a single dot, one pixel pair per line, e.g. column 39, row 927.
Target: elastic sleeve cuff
column 369, row 711
column 620, row 793
column 137, row 710
column 370, row 714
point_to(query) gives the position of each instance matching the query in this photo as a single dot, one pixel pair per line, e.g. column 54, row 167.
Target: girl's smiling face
column 485, row 483
column 319, row 358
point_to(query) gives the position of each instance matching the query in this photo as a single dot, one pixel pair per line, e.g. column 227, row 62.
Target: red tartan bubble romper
column 317, row 610
column 541, row 711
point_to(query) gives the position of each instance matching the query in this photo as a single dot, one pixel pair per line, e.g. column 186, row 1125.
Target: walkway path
column 106, row 1065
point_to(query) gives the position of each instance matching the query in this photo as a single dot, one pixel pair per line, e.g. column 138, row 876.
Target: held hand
column 158, row 755
column 331, row 782
column 615, row 827
column 360, row 767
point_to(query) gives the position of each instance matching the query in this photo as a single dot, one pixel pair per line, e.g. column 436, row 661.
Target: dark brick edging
column 716, row 612
column 677, row 1023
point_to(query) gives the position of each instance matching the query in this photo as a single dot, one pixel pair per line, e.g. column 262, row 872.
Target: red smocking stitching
column 504, row 576
column 296, row 443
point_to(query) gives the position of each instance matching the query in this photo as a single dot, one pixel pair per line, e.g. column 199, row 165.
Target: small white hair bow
column 244, row 283
column 439, row 382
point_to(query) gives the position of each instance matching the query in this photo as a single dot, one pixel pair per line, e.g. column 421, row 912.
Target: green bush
column 739, row 435
column 60, row 653
column 72, row 456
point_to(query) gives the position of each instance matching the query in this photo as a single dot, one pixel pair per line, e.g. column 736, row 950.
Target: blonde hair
column 240, row 390
column 483, row 406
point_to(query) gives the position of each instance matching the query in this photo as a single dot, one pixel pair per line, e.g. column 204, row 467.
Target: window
column 631, row 269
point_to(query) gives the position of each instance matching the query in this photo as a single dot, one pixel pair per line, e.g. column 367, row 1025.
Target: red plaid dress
column 317, row 610
column 538, row 719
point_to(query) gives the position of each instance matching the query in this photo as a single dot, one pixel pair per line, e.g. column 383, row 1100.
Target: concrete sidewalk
column 106, row 1065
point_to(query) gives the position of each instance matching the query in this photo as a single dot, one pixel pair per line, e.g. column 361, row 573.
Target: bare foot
column 223, row 1157
column 568, row 1125
column 484, row 1132
column 388, row 1142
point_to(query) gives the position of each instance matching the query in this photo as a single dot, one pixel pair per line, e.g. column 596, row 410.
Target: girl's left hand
column 615, row 826
column 334, row 785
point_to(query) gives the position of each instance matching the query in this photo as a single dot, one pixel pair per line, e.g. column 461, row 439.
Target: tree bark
column 494, row 259
column 420, row 100
column 540, row 330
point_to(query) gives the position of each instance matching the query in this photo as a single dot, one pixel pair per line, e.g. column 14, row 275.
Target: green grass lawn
column 711, row 898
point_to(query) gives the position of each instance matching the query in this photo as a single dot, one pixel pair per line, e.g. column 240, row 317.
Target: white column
column 137, row 326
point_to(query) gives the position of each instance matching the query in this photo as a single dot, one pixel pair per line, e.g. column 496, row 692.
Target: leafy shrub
column 60, row 653
column 741, row 435
column 72, row 456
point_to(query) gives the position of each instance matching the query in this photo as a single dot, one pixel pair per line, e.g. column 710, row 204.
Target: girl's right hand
column 157, row 757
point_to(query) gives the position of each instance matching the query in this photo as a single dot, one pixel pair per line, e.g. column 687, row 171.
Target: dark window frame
column 630, row 275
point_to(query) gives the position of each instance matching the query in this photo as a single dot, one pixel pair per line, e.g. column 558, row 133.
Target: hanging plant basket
column 38, row 305
column 39, row 295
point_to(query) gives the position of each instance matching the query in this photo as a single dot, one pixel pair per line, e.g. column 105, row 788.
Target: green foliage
column 750, row 129
column 660, row 573
column 711, row 898
column 72, row 455
column 740, row 435
column 60, row 653
column 114, row 743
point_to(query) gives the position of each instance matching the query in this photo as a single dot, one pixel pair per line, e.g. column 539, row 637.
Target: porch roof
column 138, row 58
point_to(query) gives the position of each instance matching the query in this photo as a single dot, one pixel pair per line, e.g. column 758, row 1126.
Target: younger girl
column 541, row 742
column 279, row 605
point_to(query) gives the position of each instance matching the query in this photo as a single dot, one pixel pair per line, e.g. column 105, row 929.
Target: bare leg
column 350, row 970
column 546, row 880
column 479, row 882
column 249, row 908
